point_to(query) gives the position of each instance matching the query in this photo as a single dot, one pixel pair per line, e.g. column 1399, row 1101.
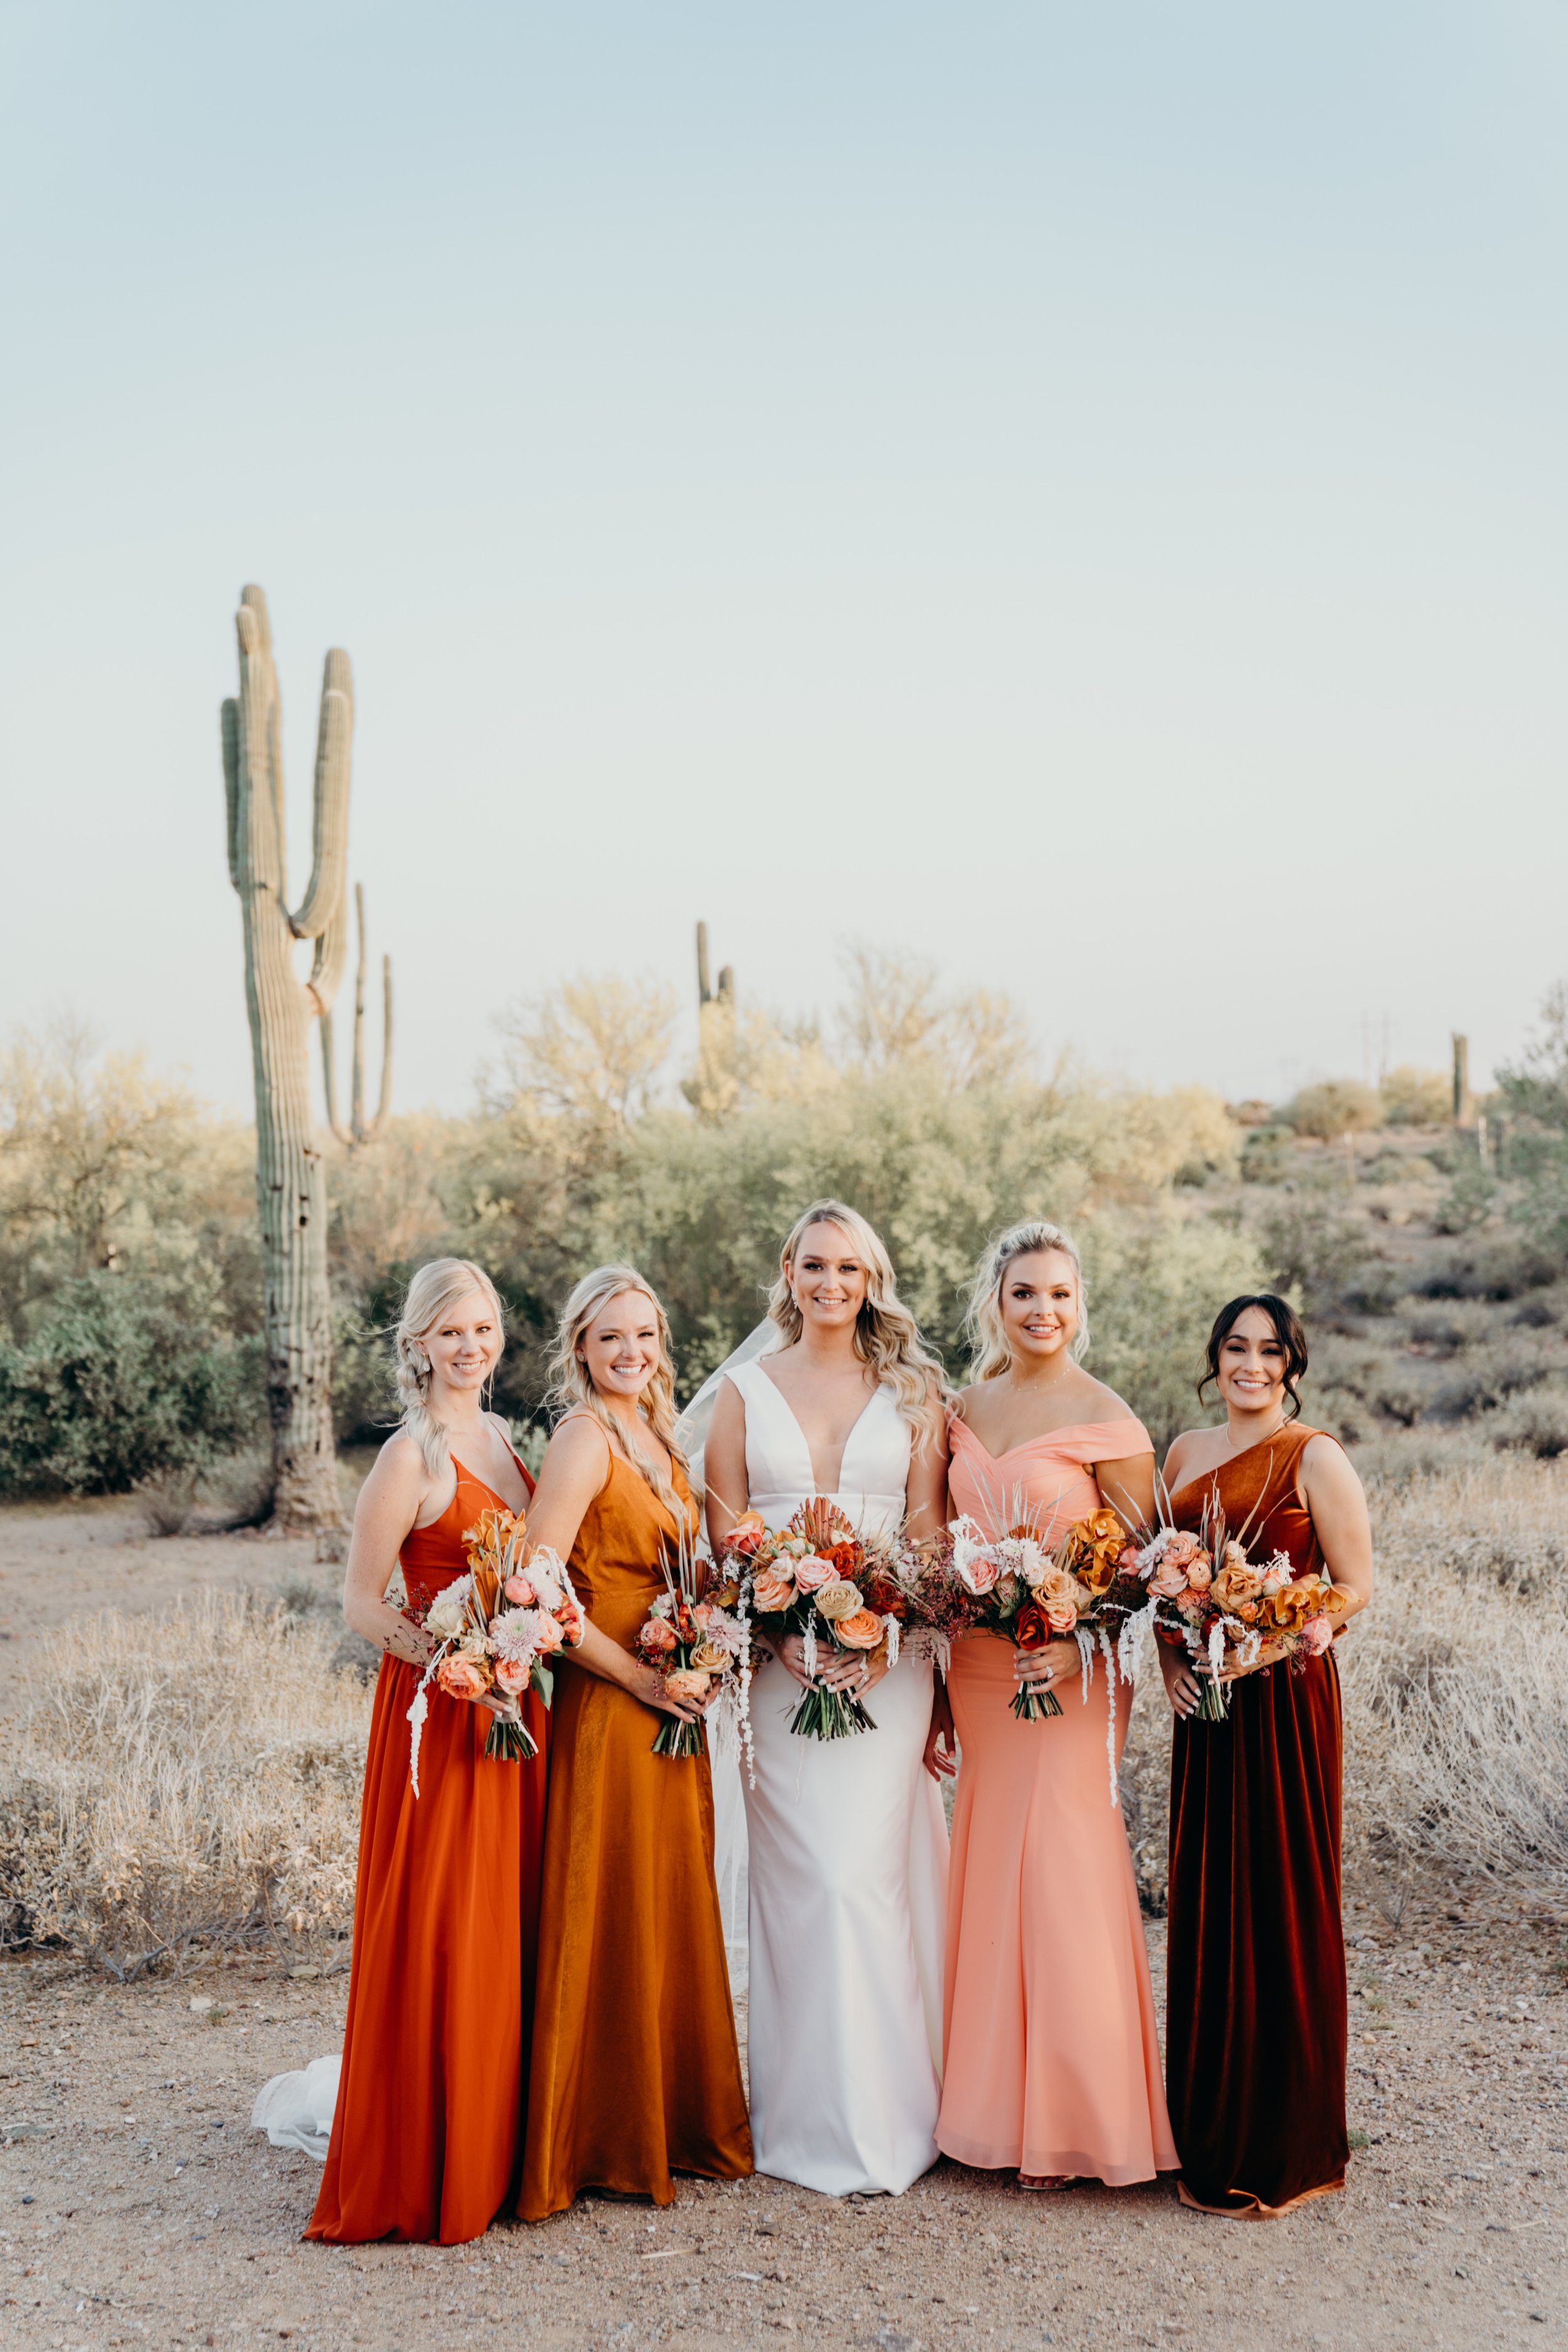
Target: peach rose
column 520, row 1592
column 1200, row 1575
column 860, row 1632
column 687, row 1684
column 977, row 1569
column 813, row 1573
column 771, row 1591
column 1061, row 1612
column 747, row 1533
column 1183, row 1547
column 656, row 1637
column 839, row 1599
column 1317, row 1635
column 461, row 1678
column 1168, row 1580
column 1237, row 1587
column 710, row 1659
column 550, row 1635
column 512, row 1675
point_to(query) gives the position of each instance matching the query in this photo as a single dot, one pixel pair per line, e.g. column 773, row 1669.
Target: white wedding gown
column 847, row 1869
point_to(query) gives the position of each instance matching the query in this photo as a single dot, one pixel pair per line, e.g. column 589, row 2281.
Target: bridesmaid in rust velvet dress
column 1256, row 2006
column 426, row 2136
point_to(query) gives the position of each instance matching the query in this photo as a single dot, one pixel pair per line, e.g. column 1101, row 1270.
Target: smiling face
column 1040, row 1305
column 1253, row 1362
column 620, row 1348
column 830, row 1281
column 465, row 1347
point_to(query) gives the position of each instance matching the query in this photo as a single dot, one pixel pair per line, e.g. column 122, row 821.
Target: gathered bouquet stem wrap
column 493, row 1631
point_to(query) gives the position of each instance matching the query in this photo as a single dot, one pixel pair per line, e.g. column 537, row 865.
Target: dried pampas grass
column 197, row 1774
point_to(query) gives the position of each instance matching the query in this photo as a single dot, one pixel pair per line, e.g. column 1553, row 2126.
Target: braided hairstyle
column 434, row 1292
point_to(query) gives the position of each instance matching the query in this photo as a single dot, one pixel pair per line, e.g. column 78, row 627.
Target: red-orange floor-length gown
column 1256, row 2006
column 427, row 2135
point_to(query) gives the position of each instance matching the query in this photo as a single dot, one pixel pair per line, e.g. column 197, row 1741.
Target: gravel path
column 136, row 2205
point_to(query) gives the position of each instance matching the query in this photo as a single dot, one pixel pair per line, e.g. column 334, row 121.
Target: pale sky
column 1078, row 490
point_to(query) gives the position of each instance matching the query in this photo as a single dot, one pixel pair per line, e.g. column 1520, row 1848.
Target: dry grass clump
column 169, row 1778
column 1456, row 1679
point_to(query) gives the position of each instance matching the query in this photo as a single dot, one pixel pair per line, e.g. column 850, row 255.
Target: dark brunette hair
column 1286, row 1331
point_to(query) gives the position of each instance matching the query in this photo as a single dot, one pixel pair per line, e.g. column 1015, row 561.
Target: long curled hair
column 887, row 1335
column 572, row 1387
column 989, row 1354
column 434, row 1292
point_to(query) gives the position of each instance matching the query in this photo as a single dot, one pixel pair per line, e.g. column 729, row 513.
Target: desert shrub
column 1413, row 1097
column 1269, row 1155
column 197, row 1774
column 1456, row 1679
column 1469, row 1201
column 1535, row 1422
column 1334, row 1107
column 1156, row 1282
column 1442, row 1329
column 1373, row 1289
column 1535, row 1315
column 1496, row 1270
column 1308, row 1241
column 1487, row 1376
column 123, row 1377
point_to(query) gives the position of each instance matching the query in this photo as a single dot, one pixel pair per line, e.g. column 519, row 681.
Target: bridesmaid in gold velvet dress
column 634, row 2071
column 1256, row 2006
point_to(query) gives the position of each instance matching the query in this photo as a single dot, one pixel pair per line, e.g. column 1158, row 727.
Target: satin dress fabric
column 1052, row 2060
column 636, row 2074
column 1257, row 2013
column 427, row 2131
column 847, row 1868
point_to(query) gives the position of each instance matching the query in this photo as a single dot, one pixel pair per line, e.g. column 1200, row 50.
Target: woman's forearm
column 377, row 1620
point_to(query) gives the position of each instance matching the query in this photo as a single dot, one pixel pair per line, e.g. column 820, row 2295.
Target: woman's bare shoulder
column 1107, row 1405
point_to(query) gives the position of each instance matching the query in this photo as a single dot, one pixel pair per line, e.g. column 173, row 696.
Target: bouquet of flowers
column 698, row 1645
column 1089, row 1587
column 493, row 1630
column 821, row 1579
column 1227, row 1613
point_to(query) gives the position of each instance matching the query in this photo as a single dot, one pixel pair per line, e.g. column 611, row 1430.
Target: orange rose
column 1031, row 1627
column 462, row 1678
column 656, row 1637
column 860, row 1632
column 1236, row 1586
column 747, row 1533
column 688, row 1685
column 771, row 1592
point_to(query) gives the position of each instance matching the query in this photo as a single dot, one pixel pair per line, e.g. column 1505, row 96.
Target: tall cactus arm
column 329, row 1082
column 231, row 784
column 259, row 841
column 329, row 845
column 383, row 1101
column 366, row 1131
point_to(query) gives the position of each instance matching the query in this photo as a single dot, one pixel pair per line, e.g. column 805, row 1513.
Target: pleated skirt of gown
column 1256, row 2019
column 1052, row 2056
column 428, row 2133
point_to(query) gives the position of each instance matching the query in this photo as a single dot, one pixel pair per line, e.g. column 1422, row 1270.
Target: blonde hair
column 435, row 1290
column 989, row 1354
column 571, row 1385
column 887, row 1335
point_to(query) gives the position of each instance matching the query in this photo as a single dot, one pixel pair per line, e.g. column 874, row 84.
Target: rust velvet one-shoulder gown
column 426, row 2138
column 1256, row 2006
column 635, row 2073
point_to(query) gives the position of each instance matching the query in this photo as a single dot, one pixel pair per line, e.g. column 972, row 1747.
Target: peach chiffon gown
column 1052, row 2061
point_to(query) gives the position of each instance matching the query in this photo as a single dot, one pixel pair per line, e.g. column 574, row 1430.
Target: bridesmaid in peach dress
column 1052, row 2064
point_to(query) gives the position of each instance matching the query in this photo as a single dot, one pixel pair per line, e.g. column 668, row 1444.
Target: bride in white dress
column 848, row 1845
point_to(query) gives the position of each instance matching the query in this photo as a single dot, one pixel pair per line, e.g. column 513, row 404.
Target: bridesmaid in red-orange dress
column 1256, row 2006
column 427, row 2137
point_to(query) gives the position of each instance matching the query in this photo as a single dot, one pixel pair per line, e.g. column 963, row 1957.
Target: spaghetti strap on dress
column 1256, row 2017
column 426, row 2136
column 1052, row 2061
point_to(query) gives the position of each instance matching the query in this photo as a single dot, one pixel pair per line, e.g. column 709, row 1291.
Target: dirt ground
column 137, row 2207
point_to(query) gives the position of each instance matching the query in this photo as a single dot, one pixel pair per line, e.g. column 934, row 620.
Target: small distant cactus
column 1464, row 1101
column 290, row 1181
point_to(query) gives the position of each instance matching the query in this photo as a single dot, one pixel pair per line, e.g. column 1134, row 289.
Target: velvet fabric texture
column 636, row 2073
column 1256, row 2006
column 426, row 2138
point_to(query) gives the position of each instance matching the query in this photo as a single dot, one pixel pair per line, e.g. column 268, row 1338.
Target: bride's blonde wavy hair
column 572, row 1387
column 434, row 1292
column 887, row 1335
column 989, row 1354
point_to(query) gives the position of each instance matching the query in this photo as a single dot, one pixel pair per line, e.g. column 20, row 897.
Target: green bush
column 1156, row 1281
column 121, row 1377
column 1309, row 1243
column 1335, row 1107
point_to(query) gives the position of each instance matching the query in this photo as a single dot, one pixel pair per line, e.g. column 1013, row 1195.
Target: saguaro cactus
column 360, row 1129
column 290, row 1184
